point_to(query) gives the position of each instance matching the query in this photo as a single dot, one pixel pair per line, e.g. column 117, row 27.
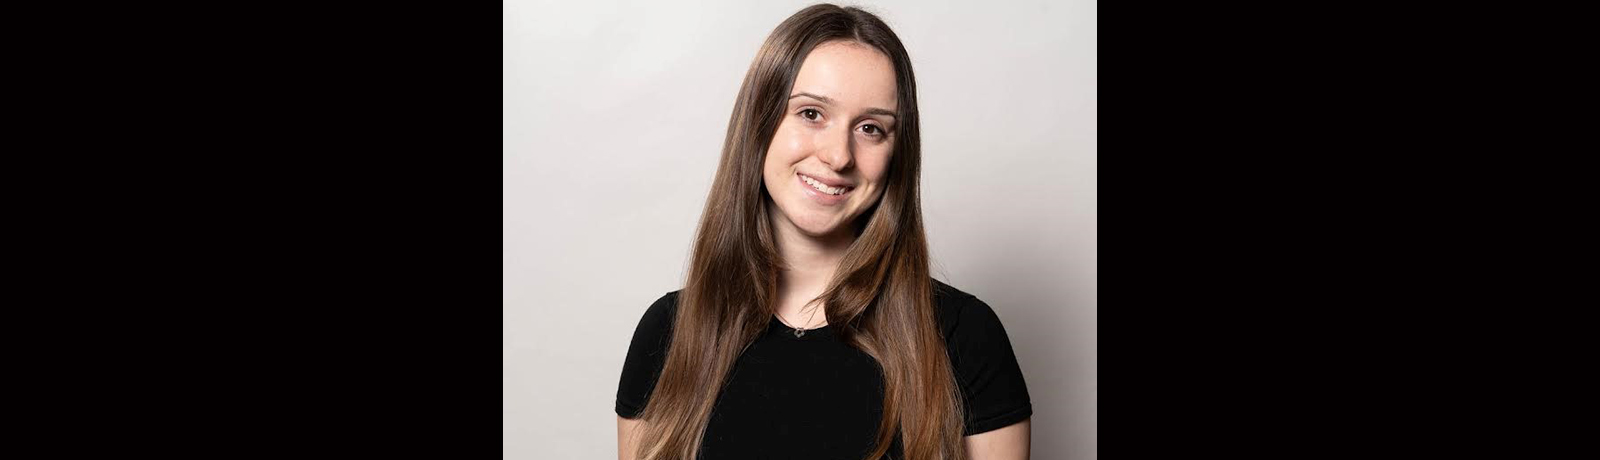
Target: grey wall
column 614, row 114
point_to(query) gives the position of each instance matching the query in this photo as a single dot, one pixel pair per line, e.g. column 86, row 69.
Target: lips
column 820, row 196
column 831, row 187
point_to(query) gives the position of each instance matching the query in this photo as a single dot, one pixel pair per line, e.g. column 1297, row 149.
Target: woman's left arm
column 1009, row 443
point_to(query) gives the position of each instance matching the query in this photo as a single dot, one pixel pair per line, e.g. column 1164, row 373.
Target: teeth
column 822, row 187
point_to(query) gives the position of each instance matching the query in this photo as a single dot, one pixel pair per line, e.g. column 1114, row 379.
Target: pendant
column 799, row 332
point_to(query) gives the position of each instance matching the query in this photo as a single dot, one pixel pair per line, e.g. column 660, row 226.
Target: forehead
column 850, row 73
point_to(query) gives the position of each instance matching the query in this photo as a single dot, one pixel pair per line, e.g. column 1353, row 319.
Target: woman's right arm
column 640, row 369
column 627, row 437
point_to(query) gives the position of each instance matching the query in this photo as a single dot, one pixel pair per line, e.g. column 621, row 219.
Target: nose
column 840, row 154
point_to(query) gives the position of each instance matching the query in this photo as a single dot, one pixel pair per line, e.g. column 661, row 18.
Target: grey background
column 614, row 114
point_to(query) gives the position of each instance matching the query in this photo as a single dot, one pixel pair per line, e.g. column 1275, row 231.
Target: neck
column 811, row 262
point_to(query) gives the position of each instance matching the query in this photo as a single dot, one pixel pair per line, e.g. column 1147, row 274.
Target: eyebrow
column 827, row 100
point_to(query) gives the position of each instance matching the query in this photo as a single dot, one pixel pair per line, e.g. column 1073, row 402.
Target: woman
column 809, row 326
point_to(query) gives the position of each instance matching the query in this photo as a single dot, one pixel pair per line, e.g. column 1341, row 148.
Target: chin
column 817, row 226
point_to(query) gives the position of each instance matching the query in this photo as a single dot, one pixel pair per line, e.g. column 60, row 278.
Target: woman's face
column 827, row 161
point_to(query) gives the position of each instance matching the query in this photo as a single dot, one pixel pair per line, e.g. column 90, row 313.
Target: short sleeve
column 995, row 395
column 646, row 355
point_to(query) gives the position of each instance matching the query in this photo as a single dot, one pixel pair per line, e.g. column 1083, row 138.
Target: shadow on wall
column 1029, row 289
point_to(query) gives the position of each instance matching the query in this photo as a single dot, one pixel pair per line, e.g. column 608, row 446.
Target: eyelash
column 802, row 113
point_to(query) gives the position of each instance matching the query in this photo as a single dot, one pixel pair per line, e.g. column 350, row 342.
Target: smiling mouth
column 824, row 188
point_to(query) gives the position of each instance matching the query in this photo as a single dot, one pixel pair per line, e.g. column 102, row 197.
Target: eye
column 810, row 114
column 872, row 130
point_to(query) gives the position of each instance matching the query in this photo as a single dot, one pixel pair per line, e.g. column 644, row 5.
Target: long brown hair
column 880, row 300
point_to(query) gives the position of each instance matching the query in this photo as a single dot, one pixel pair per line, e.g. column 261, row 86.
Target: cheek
column 786, row 149
column 875, row 167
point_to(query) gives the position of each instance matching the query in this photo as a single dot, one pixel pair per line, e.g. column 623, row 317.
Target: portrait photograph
column 799, row 230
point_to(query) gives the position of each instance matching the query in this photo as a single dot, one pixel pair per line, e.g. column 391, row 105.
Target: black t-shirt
column 813, row 397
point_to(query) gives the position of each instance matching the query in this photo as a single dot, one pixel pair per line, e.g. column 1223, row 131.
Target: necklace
column 798, row 332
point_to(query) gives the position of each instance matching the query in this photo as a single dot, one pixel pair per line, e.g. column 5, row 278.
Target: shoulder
column 657, row 319
column 960, row 312
column 942, row 291
column 646, row 355
column 994, row 391
column 664, row 307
